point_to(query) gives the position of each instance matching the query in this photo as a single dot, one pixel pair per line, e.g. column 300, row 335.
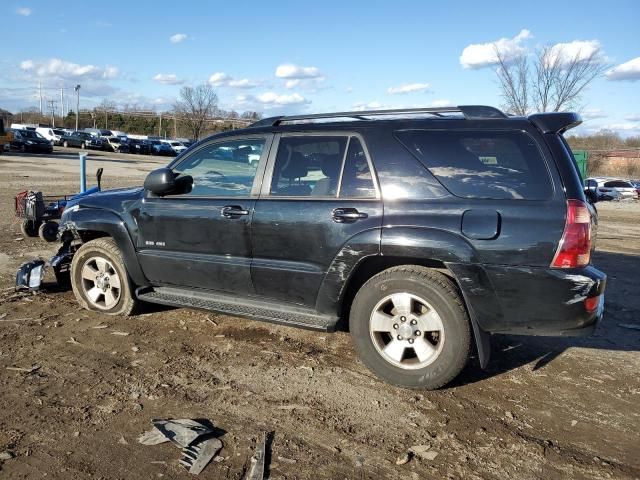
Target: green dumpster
column 581, row 157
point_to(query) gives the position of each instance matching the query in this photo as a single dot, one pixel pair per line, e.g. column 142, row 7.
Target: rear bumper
column 532, row 301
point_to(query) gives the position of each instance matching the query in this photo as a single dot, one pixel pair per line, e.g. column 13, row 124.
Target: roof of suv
column 555, row 122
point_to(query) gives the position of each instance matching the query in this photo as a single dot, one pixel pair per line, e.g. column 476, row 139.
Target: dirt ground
column 545, row 408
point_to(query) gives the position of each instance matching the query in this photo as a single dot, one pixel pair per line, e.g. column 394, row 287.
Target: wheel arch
column 86, row 224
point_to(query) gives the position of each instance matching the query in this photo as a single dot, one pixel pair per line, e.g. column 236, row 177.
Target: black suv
column 421, row 231
column 82, row 139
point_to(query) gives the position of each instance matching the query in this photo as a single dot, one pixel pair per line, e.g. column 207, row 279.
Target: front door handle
column 233, row 211
column 347, row 215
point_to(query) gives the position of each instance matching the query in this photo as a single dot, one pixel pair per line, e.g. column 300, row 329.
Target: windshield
column 30, row 134
column 618, row 184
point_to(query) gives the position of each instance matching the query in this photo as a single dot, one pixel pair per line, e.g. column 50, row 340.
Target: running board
column 257, row 309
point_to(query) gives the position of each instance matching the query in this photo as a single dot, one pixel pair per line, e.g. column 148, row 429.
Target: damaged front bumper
column 31, row 274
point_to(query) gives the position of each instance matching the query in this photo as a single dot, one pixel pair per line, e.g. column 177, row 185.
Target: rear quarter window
column 482, row 164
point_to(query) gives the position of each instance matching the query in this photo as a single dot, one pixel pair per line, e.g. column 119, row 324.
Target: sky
column 303, row 57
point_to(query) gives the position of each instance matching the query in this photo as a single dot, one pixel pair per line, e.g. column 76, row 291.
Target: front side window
column 223, row 169
column 482, row 164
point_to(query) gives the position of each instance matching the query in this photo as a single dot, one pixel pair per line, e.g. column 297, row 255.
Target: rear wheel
column 48, row 231
column 99, row 278
column 29, row 228
column 410, row 327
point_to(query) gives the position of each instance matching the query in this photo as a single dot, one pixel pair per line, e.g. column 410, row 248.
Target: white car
column 176, row 146
column 52, row 134
column 612, row 188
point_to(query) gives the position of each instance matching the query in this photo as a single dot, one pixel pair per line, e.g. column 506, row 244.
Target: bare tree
column 556, row 84
column 194, row 106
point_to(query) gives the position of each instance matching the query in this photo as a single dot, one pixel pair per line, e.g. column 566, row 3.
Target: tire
column 48, row 231
column 94, row 268
column 413, row 304
column 29, row 228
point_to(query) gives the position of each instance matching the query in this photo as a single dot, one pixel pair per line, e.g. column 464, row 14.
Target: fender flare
column 110, row 224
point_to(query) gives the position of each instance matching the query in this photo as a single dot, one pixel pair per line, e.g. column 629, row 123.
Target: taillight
column 574, row 249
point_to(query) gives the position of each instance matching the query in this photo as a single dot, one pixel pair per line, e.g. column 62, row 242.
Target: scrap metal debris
column 32, row 369
column 256, row 471
column 195, row 438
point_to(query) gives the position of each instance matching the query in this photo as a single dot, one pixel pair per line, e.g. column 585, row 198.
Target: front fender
column 107, row 223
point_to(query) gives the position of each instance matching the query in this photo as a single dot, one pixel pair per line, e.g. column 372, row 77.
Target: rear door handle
column 232, row 211
column 347, row 215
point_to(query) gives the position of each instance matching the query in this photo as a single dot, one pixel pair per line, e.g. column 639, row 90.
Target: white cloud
column 222, row 79
column 480, row 55
column 409, row 88
column 626, row 71
column 633, row 118
column 289, row 70
column 24, row 11
column 374, row 105
column 178, row 37
column 272, row 98
column 577, row 50
column 441, row 103
column 168, row 79
column 219, row 79
column 55, row 68
column 593, row 113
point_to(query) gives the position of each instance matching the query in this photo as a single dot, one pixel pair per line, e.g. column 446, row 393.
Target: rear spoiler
column 555, row 122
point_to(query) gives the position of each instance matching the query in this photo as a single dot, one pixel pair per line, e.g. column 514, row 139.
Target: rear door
column 319, row 191
column 202, row 238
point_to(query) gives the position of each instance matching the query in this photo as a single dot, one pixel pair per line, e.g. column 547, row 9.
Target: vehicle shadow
column 618, row 331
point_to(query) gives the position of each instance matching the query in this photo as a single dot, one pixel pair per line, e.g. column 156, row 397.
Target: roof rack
column 470, row 112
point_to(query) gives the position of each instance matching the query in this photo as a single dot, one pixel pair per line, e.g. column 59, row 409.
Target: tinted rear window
column 618, row 184
column 482, row 164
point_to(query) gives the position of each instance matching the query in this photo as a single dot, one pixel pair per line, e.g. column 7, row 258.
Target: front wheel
column 99, row 278
column 410, row 327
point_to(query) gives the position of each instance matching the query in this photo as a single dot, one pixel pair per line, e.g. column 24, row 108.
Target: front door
column 319, row 192
column 202, row 238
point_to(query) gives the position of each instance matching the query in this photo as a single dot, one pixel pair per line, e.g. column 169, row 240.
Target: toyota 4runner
column 422, row 231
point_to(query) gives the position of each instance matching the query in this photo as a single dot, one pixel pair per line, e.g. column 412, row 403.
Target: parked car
column 52, row 134
column 636, row 185
column 612, row 189
column 160, row 148
column 115, row 144
column 425, row 235
column 176, row 146
column 139, row 146
column 82, row 140
column 29, row 141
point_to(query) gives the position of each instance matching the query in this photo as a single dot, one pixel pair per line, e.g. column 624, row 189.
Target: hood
column 113, row 199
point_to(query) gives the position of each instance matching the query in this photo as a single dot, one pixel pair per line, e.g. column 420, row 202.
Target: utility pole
column 53, row 112
column 62, row 102
column 175, row 126
column 77, row 89
column 40, row 94
column 160, row 126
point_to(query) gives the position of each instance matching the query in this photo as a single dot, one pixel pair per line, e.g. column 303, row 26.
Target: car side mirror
column 164, row 181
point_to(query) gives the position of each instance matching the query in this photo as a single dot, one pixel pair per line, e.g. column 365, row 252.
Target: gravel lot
column 545, row 408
